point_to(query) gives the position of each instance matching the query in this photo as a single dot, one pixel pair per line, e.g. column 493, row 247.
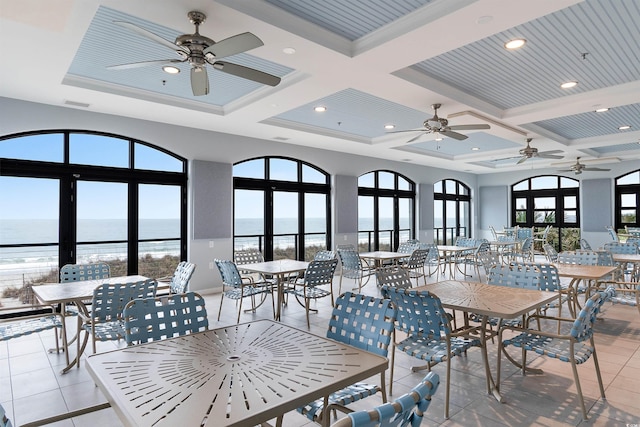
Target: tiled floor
column 31, row 386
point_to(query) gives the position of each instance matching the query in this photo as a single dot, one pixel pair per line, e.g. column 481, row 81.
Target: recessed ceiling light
column 567, row 85
column 475, row 148
column 171, row 69
column 515, row 44
column 289, row 50
column 601, row 110
column 320, row 109
column 624, row 127
column 389, row 126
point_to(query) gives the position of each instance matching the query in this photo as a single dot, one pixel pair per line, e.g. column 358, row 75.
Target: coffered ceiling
column 370, row 63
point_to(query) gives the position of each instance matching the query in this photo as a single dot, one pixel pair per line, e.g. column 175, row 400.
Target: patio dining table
column 240, row 375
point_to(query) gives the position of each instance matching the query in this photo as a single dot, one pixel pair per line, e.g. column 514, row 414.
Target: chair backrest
column 578, row 257
column 524, row 232
column 247, row 256
column 582, row 328
column 159, row 318
column 363, row 321
column 407, row 247
column 320, row 272
column 515, row 275
column 394, row 277
column 584, row 244
column 228, row 272
column 612, row 233
column 76, row 272
column 635, row 240
column 347, row 246
column 550, row 252
column 324, row 255
column 488, row 259
column 621, row 248
column 109, row 299
column 407, row 410
column 180, row 280
column 417, row 258
column 349, row 259
column 4, row 420
column 419, row 313
column 549, row 279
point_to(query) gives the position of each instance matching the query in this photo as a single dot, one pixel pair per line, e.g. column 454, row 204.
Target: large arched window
column 627, row 190
column 79, row 196
column 282, row 207
column 451, row 211
column 386, row 210
column 549, row 200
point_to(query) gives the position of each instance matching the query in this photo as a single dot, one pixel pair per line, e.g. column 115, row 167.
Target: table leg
column 81, row 347
column 491, row 385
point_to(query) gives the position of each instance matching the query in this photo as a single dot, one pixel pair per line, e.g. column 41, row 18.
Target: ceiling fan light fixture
column 170, row 69
column 515, row 44
column 320, row 109
column 438, row 136
column 569, row 85
column 624, row 127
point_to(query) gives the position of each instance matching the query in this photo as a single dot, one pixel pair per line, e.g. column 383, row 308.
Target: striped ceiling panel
column 578, row 43
column 594, row 124
column 351, row 19
column 632, row 146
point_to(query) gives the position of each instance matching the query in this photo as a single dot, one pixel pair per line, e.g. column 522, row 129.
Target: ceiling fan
column 440, row 126
column 529, row 152
column 579, row 167
column 199, row 51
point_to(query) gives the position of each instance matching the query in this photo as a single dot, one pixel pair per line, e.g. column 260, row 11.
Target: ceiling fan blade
column 522, row 159
column 143, row 64
column 247, row 73
column 234, row 45
column 415, row 138
column 596, row 169
column 454, row 135
column 550, row 156
column 564, row 170
column 406, row 130
column 470, row 127
column 148, row 34
column 199, row 81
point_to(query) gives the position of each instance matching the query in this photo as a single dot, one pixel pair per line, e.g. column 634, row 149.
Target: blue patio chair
column 317, row 282
column 415, row 265
column 525, row 251
column 154, row 319
column 364, row 322
column 238, row 288
column 433, row 260
column 630, row 270
column 472, row 258
column 251, row 256
column 430, row 336
column 179, row 282
column 76, row 272
column 407, row 410
column 624, row 293
column 352, row 267
column 576, row 347
column 104, row 322
column 584, row 244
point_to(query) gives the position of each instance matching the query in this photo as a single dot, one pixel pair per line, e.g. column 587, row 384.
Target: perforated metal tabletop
column 240, row 375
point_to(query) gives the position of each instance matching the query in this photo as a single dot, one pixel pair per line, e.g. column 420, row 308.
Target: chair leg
column 597, row 366
column 220, row 309
column 574, row 368
column 448, row 387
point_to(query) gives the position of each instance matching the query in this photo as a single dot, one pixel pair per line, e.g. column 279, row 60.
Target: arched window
column 386, row 210
column 281, row 207
column 79, row 196
column 627, row 190
column 549, row 200
column 451, row 211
